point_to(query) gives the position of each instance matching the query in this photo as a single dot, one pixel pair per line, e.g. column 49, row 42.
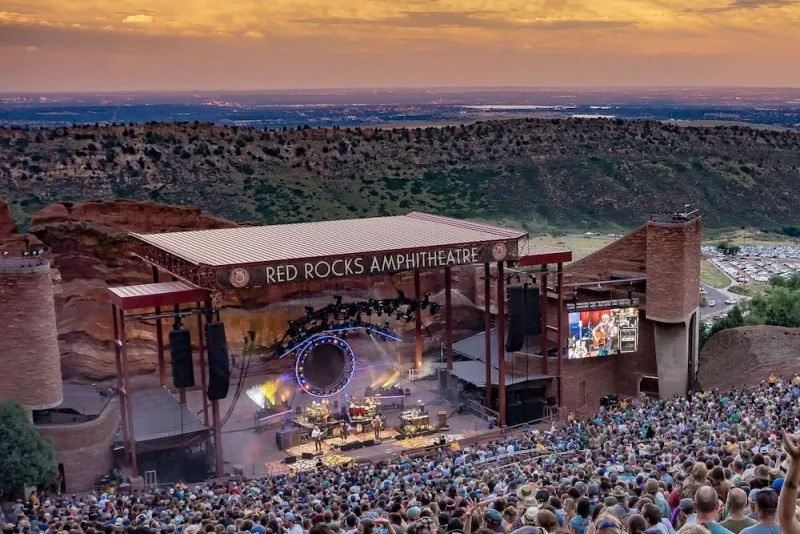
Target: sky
column 197, row 45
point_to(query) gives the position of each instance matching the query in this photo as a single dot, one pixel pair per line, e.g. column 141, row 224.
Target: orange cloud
column 755, row 41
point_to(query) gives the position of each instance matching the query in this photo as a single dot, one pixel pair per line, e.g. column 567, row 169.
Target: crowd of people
column 713, row 462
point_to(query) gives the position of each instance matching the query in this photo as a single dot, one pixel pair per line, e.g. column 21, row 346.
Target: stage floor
column 257, row 453
column 331, row 454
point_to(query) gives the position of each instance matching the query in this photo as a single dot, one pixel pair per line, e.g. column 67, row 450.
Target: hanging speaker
column 180, row 344
column 219, row 372
column 533, row 311
column 515, row 338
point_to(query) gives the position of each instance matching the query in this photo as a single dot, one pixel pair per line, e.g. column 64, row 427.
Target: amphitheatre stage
column 419, row 324
column 208, row 266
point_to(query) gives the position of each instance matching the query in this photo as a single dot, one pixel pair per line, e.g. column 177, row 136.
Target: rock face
column 748, row 355
column 7, row 225
column 87, row 242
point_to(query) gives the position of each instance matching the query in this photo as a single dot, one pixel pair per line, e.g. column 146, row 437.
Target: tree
column 26, row 458
column 728, row 249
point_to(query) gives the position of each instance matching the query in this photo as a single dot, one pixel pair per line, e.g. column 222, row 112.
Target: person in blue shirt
column 583, row 516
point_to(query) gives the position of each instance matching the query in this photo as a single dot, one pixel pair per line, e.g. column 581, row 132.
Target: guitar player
column 603, row 335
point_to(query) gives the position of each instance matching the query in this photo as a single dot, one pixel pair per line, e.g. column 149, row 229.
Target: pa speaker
column 180, row 344
column 219, row 373
column 290, row 460
column 515, row 338
column 533, row 311
column 368, row 443
column 308, row 456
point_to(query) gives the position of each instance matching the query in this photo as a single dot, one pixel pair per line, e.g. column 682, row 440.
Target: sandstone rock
column 7, row 225
column 747, row 355
column 88, row 241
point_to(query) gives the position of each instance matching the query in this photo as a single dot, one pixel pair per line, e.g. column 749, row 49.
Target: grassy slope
column 533, row 173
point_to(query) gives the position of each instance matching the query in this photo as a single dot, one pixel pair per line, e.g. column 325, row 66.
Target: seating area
column 709, row 461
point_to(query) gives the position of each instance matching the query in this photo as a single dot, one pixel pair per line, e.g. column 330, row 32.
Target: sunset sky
column 132, row 45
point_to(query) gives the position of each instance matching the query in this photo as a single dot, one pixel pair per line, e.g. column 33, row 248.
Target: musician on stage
column 376, row 426
column 316, row 435
column 344, row 428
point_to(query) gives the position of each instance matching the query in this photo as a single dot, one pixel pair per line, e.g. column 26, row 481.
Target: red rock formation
column 747, row 355
column 7, row 225
column 87, row 243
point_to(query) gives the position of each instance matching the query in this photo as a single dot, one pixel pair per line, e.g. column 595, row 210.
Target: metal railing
column 480, row 410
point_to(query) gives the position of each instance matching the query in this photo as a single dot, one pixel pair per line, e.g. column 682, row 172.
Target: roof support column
column 543, row 315
column 123, row 401
column 487, row 330
column 217, row 424
column 131, row 438
column 448, row 317
column 418, row 324
column 560, row 326
column 181, row 391
column 162, row 371
column 501, row 342
column 203, row 371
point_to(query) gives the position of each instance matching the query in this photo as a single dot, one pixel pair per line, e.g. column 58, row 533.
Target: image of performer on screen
column 603, row 335
column 580, row 350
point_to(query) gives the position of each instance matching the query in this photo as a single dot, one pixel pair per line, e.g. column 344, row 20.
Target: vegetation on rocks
column 571, row 174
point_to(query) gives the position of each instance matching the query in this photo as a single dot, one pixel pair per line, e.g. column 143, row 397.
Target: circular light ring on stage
column 325, row 366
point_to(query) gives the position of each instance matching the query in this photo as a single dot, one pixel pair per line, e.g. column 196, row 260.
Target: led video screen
column 603, row 332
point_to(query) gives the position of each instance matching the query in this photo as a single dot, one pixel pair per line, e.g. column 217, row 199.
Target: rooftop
column 157, row 294
column 474, row 372
column 253, row 245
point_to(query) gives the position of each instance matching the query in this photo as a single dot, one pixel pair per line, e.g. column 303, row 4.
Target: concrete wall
column 85, row 448
column 672, row 346
column 30, row 363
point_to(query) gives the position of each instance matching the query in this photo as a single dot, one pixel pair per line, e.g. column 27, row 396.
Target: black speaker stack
column 524, row 315
column 219, row 373
column 180, row 344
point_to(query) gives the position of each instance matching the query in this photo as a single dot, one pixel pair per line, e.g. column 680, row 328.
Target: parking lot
column 756, row 263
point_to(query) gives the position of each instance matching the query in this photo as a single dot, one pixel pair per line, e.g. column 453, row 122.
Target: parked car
column 730, row 301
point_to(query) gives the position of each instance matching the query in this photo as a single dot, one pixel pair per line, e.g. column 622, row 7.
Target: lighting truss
column 341, row 318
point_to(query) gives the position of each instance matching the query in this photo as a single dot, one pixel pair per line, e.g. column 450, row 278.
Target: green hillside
column 576, row 173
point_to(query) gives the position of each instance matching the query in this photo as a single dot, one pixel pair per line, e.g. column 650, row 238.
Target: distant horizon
column 499, row 88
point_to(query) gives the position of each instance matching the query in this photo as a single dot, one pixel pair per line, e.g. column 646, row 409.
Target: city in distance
column 776, row 108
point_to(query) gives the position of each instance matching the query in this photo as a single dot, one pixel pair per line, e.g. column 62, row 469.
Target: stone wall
column 30, row 366
column 673, row 270
column 85, row 448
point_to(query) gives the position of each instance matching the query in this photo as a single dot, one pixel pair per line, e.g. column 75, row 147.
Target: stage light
column 25, row 253
column 5, row 253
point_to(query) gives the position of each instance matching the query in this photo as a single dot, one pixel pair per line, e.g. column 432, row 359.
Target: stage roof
column 474, row 372
column 249, row 245
column 158, row 415
column 256, row 256
column 475, row 346
column 157, row 294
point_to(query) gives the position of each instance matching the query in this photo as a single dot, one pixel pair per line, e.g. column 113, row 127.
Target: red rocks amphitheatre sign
column 365, row 264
